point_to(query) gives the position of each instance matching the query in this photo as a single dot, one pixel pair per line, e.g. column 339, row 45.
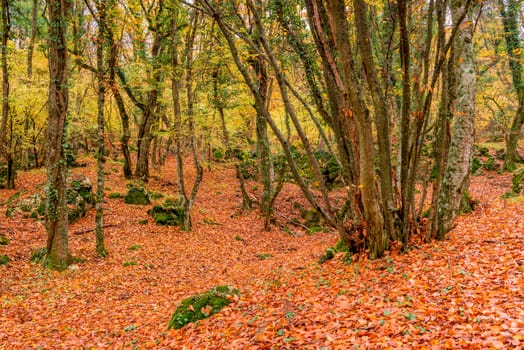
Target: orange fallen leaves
column 465, row 292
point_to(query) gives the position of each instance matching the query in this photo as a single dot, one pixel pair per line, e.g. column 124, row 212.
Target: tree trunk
column 458, row 170
column 510, row 14
column 58, row 255
column 30, row 47
column 4, row 151
column 101, row 158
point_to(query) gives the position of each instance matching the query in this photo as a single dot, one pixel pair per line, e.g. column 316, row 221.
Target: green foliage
column 467, row 204
column 134, row 247
column 517, row 181
column 202, row 305
column 4, row 260
column 476, row 164
column 491, row 164
column 264, row 256
column 114, row 195
column 129, row 263
column 340, row 247
column 4, row 240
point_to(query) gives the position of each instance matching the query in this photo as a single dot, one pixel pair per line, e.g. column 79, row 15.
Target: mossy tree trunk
column 511, row 10
column 458, row 166
column 6, row 147
column 100, row 159
column 58, row 255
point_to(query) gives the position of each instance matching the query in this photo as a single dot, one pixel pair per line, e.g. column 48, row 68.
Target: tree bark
column 101, row 158
column 30, row 47
column 510, row 14
column 58, row 255
column 458, row 168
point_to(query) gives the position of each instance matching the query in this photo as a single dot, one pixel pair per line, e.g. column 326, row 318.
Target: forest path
column 467, row 291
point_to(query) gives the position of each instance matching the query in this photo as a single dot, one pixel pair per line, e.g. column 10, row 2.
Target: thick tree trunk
column 510, row 12
column 58, row 255
column 458, row 169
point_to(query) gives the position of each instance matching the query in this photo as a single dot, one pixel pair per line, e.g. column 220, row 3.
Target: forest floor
column 464, row 292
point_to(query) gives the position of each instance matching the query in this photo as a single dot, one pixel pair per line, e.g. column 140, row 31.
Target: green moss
column 38, row 255
column 167, row 215
column 129, row 263
column 490, row 164
column 4, row 240
column 517, row 181
column 202, row 306
column 476, row 164
column 341, row 246
column 134, row 247
column 137, row 196
column 155, row 195
column 114, row 195
column 264, row 256
column 4, row 259
column 41, row 209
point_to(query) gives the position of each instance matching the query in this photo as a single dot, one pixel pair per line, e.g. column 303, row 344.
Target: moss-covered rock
column 4, row 240
column 202, row 305
column 80, row 197
column 167, row 215
column 4, row 260
column 137, row 195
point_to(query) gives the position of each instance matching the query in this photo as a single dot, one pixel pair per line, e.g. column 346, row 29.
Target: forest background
column 374, row 115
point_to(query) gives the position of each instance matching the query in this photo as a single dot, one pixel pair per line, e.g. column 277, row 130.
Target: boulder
column 79, row 199
column 203, row 305
column 137, row 195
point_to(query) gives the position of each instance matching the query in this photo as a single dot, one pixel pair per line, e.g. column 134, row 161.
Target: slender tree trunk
column 263, row 148
column 101, row 159
column 30, row 47
column 458, row 170
column 58, row 255
column 124, row 117
column 5, row 79
column 150, row 113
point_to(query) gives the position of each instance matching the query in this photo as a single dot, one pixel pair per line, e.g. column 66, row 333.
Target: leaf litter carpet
column 465, row 292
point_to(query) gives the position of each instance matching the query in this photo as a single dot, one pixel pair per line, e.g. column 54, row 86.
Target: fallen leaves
column 465, row 292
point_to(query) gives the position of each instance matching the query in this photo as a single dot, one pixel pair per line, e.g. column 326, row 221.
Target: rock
column 202, row 305
column 79, row 199
column 137, row 195
column 167, row 215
